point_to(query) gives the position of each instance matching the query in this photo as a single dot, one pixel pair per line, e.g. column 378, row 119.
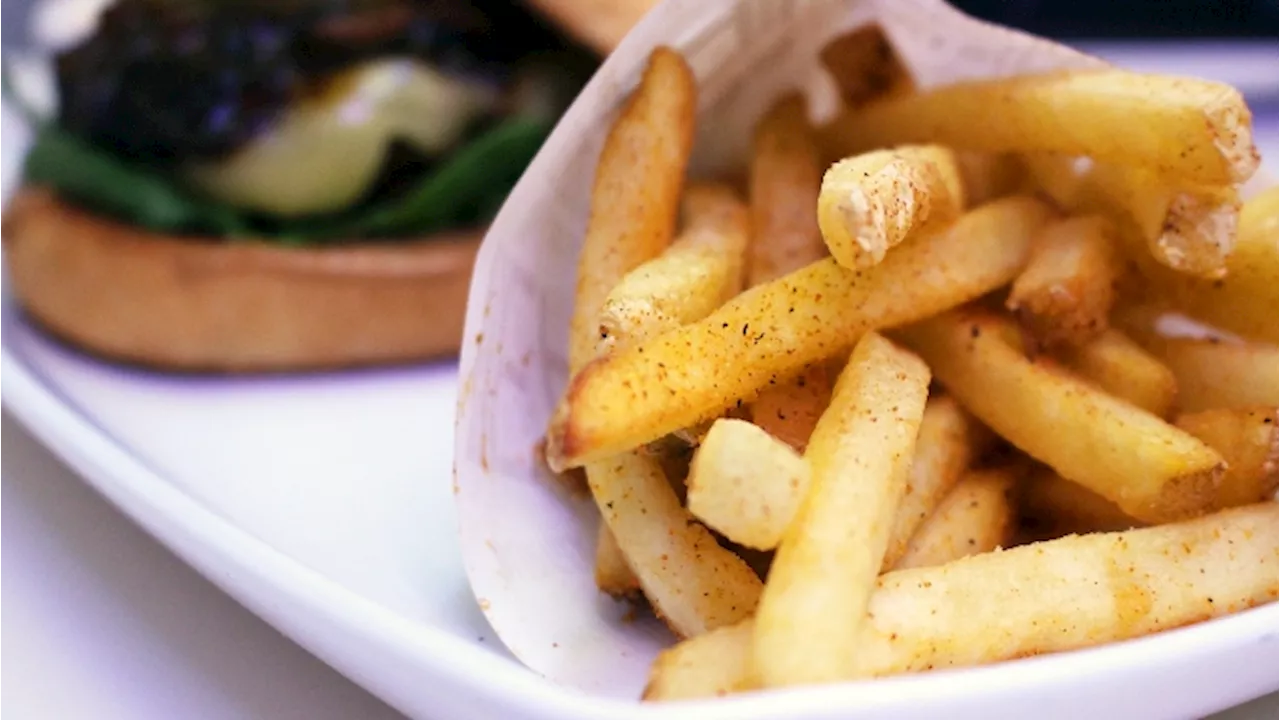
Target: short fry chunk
column 1151, row 469
column 746, row 484
column 1196, row 130
column 977, row 516
column 812, row 609
column 1065, row 293
column 872, row 202
column 1247, row 440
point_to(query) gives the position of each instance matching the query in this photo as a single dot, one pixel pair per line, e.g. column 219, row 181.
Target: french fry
column 786, row 173
column 1064, row 594
column 1123, row 368
column 613, row 574
column 812, row 608
column 1057, row 177
column 1215, row 373
column 870, row 203
column 746, row 484
column 1066, row 507
column 977, row 516
column 776, row 329
column 1247, row 440
column 1246, row 299
column 1190, row 229
column 865, row 66
column 638, row 182
column 1193, row 130
column 990, row 176
column 689, row 280
column 1149, row 468
column 1065, row 293
column 950, row 439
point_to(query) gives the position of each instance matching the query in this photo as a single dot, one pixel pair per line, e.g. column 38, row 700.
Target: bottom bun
column 189, row 303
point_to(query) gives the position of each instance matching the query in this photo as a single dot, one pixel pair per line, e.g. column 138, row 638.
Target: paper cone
column 529, row 545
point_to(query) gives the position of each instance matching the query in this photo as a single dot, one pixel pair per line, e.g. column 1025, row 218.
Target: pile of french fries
column 907, row 398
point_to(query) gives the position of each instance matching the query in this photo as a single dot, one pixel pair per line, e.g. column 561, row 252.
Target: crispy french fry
column 1064, row 594
column 1191, row 229
column 870, row 203
column 1247, row 440
column 1216, row 373
column 786, row 173
column 947, row 444
column 1117, row 364
column 613, row 574
column 1149, row 468
column 977, row 516
column 1246, row 299
column 638, row 182
column 865, row 67
column 1066, row 507
column 812, row 608
column 689, row 280
column 1065, row 293
column 1195, row 130
column 746, row 484
column 776, row 329
column 989, row 176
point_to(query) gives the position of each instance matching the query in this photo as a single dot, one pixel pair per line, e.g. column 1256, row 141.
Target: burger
column 238, row 186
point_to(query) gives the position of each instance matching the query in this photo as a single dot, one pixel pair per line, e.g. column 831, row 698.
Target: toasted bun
column 199, row 305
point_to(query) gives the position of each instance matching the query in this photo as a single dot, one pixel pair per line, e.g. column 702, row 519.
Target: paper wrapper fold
column 528, row 543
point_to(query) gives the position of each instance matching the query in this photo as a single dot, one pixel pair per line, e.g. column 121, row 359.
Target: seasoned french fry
column 1191, row 229
column 1246, row 299
column 1065, row 293
column 1068, row 507
column 1064, row 594
column 865, row 67
column 689, row 280
column 638, row 182
column 977, row 516
column 1216, row 373
column 1149, row 468
column 949, row 441
column 776, row 329
column 1195, row 130
column 786, row 173
column 1123, row 368
column 812, row 608
column 746, row 484
column 1247, row 440
column 613, row 574
column 989, row 176
column 870, row 203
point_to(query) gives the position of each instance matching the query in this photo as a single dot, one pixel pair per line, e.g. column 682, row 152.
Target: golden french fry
column 786, row 173
column 872, row 202
column 1064, row 594
column 613, row 574
column 1066, row 507
column 636, row 192
column 1191, row 229
column 776, row 329
column 746, row 484
column 812, row 608
column 990, row 176
column 977, row 516
column 1246, row 299
column 1149, row 468
column 1195, row 130
column 1247, row 440
column 1065, row 293
column 950, row 439
column 692, row 278
column 1117, row 364
column 865, row 66
column 1215, row 373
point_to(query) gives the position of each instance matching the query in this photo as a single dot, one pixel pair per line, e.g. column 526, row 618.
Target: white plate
column 323, row 505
